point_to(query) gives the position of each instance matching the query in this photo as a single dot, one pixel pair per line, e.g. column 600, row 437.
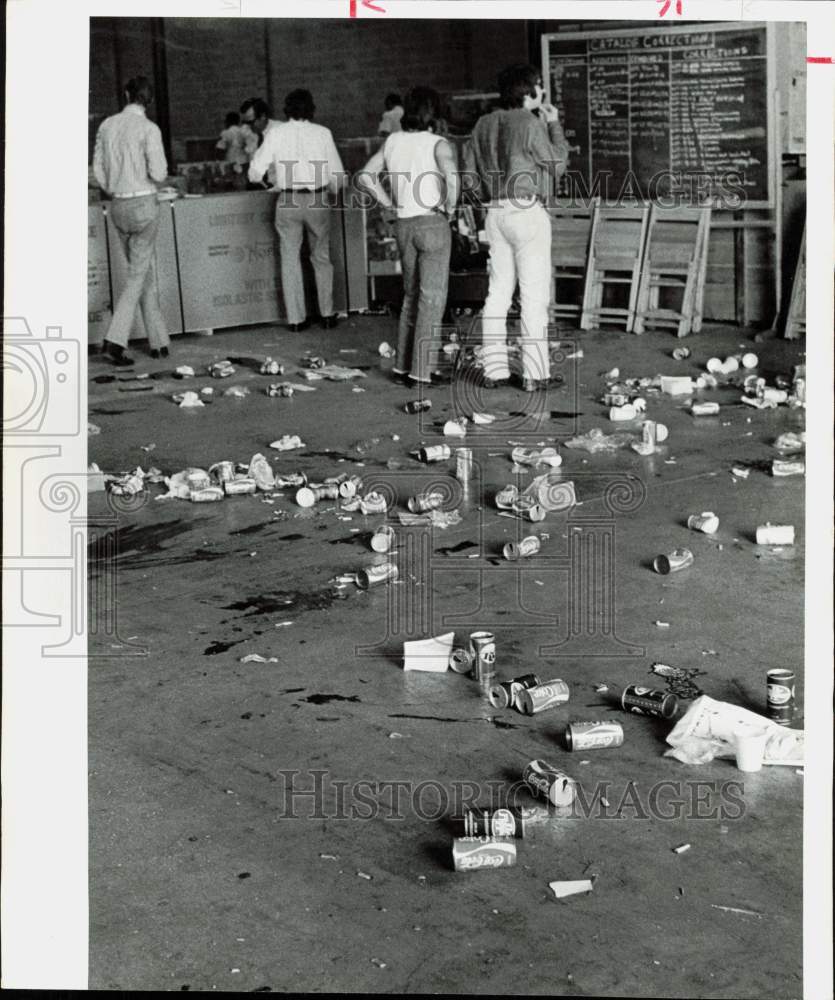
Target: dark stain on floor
column 325, row 699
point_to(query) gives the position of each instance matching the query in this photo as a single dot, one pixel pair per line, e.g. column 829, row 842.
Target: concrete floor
column 197, row 879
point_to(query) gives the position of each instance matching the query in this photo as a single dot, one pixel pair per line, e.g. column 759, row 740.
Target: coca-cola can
column 542, row 697
column 550, row 782
column 471, row 854
column 463, row 464
column 520, row 550
column 502, row 822
column 372, row 576
column 520, row 684
column 435, row 453
column 417, row 405
column 593, row 735
column 197, row 479
column 483, row 648
column 642, row 700
column 780, row 696
column 238, row 487
column 424, row 501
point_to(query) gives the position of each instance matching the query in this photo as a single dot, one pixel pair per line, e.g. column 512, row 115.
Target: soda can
column 374, row 503
column 349, row 487
column 706, row 522
column 222, row 472
column 461, row 660
column 593, row 735
column 470, row 854
column 435, row 453
column 238, row 487
column 645, row 701
column 674, row 561
column 529, row 509
column 424, row 501
column 372, row 576
column 293, row 479
column 681, row 353
column 502, row 822
column 521, row 550
column 417, row 405
column 501, row 695
column 615, row 399
column 775, row 534
column 654, row 433
column 383, row 538
column 207, row 494
column 483, row 648
column 507, row 497
column 523, row 683
column 704, row 409
column 788, row 467
column 770, row 395
column 780, row 696
column 799, row 388
column 307, row 496
column 197, row 479
column 463, row 464
column 543, row 696
column 280, row 389
column 548, row 781
column 270, row 367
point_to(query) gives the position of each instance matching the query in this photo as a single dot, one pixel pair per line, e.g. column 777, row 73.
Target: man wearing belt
column 307, row 167
column 515, row 157
column 128, row 163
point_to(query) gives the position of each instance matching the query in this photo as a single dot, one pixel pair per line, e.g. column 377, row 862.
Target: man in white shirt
column 307, row 167
column 129, row 162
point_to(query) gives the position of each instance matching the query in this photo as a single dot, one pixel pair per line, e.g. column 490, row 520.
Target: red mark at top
column 352, row 7
column 666, row 7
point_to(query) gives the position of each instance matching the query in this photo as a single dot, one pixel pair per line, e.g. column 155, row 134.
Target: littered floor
column 206, row 872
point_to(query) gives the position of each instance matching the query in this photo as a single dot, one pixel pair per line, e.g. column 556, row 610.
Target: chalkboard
column 662, row 113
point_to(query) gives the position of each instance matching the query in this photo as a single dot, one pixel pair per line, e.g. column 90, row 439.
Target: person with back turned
column 307, row 168
column 128, row 163
column 515, row 156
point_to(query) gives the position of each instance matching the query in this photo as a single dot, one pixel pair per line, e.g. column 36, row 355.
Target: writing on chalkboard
column 665, row 113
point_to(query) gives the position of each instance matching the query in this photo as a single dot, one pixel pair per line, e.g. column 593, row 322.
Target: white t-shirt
column 417, row 184
column 390, row 122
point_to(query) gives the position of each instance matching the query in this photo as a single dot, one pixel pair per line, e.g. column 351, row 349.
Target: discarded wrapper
column 428, row 655
column 676, row 560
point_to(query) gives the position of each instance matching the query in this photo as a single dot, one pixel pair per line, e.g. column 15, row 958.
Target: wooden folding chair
column 616, row 249
column 796, row 315
column 675, row 258
column 571, row 228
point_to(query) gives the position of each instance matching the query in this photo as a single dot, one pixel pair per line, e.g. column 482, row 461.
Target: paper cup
column 750, row 748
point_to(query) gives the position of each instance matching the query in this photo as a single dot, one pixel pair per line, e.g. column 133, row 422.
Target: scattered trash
column 373, row 576
column 456, row 428
column 791, row 442
column 677, row 385
column 706, row 522
column 237, row 391
column 385, row 350
column 676, row 560
column 623, row 413
column 428, row 655
column 437, row 518
column 563, row 889
column 95, row 479
column 788, row 467
column 681, row 353
column 660, row 624
column 523, row 549
column 282, row 389
column 595, row 440
column 127, row 485
column 257, row 658
column 187, row 399
column 222, row 369
column 288, row 442
column 550, row 493
column 270, row 367
column 364, row 875
column 334, row 373
column 184, row 371
column 740, row 471
column 775, row 534
column 261, row 472
column 679, row 681
column 93, row 430
column 532, row 457
column 476, row 853
column 417, row 405
column 483, row 419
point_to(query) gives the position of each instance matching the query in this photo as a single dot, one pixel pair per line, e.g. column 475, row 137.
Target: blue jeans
column 424, row 242
column 136, row 221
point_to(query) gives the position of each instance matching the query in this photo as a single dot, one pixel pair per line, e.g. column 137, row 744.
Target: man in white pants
column 515, row 156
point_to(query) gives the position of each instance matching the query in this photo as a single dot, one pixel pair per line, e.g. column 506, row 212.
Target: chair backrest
column 570, row 235
column 674, row 235
column 618, row 236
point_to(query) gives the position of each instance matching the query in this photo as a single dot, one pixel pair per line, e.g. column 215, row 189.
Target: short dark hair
column 232, row 118
column 392, row 101
column 516, row 83
column 421, row 110
column 139, row 90
column 259, row 107
column 299, row 104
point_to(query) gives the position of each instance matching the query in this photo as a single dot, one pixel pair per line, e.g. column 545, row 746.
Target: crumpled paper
column 288, row 442
column 437, row 518
column 709, row 729
column 595, row 440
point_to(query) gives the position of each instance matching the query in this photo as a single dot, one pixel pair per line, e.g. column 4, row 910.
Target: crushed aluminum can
column 770, row 395
column 373, row 576
column 435, row 453
column 293, row 479
column 788, row 467
column 461, row 660
column 507, row 497
column 550, row 782
column 129, row 485
column 615, row 399
column 534, row 457
column 775, row 534
column 383, row 538
column 540, row 698
column 307, row 496
column 521, row 550
column 280, row 389
column 373, row 503
column 221, row 369
column 681, row 353
column 642, row 700
column 197, row 479
column 206, row 494
column 463, row 464
column 780, row 696
column 623, row 413
column 477, row 853
column 238, row 487
column 222, row 472
column 270, row 367
column 425, row 501
column 706, row 522
column 314, row 362
column 483, row 648
column 593, row 735
column 506, row 821
column 349, row 487
column 523, row 683
column 704, row 409
column 672, row 562
column 417, row 405
column 529, row 509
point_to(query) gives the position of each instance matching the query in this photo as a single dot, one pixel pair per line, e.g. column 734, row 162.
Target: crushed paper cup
column 288, row 442
column 187, row 399
column 507, row 497
column 261, row 471
column 456, row 428
column 706, row 522
column 428, row 655
column 385, row 350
